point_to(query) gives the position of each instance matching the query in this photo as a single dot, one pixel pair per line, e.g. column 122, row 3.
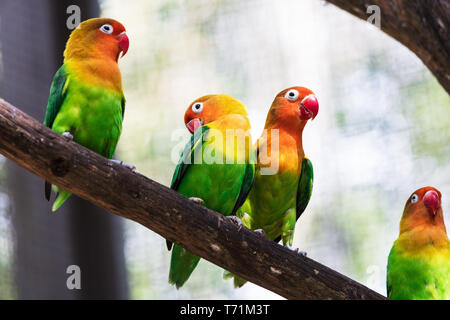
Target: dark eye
column 414, row 198
column 107, row 28
column 197, row 107
column 291, row 95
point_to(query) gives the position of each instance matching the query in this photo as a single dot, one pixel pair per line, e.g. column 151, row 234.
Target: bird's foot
column 260, row 232
column 67, row 135
column 303, row 253
column 236, row 221
column 131, row 167
column 197, row 200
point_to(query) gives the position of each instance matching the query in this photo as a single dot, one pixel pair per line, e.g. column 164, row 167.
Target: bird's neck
column 290, row 137
column 282, row 148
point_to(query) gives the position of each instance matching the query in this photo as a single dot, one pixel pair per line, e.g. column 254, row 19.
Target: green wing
column 186, row 159
column 247, row 184
column 305, row 185
column 57, row 95
column 55, row 100
column 187, row 156
column 304, row 189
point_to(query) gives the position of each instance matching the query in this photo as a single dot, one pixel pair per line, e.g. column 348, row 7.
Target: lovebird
column 86, row 102
column 284, row 176
column 216, row 167
column 418, row 266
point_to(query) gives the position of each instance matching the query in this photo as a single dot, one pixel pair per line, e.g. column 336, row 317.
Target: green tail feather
column 182, row 264
column 237, row 281
column 60, row 199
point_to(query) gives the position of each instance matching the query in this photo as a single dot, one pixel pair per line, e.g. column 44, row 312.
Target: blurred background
column 383, row 131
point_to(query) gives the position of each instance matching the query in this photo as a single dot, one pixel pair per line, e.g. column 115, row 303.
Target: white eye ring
column 291, row 95
column 414, row 198
column 107, row 28
column 197, row 107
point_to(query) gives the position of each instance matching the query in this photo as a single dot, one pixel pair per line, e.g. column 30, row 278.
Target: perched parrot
column 280, row 195
column 86, row 102
column 214, row 169
column 419, row 262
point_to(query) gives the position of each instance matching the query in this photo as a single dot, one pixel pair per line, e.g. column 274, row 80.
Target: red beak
column 309, row 107
column 194, row 124
column 432, row 201
column 124, row 42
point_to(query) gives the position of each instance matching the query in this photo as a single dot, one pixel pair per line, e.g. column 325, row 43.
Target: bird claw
column 132, row 167
column 236, row 221
column 260, row 232
column 126, row 165
column 67, row 135
column 197, row 200
column 287, row 245
column 297, row 250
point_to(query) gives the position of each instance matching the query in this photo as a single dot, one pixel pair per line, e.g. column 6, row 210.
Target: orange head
column 292, row 107
column 97, row 38
column 210, row 108
column 423, row 208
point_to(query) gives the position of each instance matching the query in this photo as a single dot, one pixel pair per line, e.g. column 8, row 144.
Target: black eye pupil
column 291, row 94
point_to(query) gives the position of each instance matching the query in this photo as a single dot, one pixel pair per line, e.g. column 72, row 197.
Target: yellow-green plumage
column 222, row 186
column 274, row 205
column 86, row 98
column 277, row 201
column 419, row 275
column 419, row 262
column 92, row 115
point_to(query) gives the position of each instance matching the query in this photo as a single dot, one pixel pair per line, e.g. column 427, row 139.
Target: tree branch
column 200, row 230
column 422, row 26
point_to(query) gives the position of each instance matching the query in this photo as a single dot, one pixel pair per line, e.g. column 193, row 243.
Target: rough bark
column 422, row 26
column 200, row 230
